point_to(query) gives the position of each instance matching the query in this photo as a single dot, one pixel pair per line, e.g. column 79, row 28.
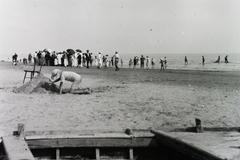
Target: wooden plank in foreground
column 183, row 147
column 75, row 136
column 17, row 148
column 91, row 142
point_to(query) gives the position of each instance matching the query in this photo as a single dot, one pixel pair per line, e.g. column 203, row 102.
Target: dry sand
column 129, row 98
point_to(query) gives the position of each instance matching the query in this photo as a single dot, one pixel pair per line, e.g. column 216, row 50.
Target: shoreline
column 169, row 68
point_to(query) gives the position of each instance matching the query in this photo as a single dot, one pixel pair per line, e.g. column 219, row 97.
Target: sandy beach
column 129, row 98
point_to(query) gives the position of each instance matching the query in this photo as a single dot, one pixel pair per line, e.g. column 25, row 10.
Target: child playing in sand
column 59, row 75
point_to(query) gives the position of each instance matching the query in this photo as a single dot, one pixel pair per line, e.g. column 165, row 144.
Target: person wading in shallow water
column 203, row 60
column 186, row 60
column 218, row 60
column 226, row 59
column 59, row 75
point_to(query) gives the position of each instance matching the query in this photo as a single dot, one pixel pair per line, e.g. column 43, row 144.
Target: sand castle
column 43, row 85
column 39, row 84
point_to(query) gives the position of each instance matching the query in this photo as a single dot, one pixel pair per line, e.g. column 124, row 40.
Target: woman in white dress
column 99, row 60
column 65, row 58
column 59, row 56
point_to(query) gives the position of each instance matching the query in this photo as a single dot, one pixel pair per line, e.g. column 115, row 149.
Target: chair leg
column 24, row 76
column 32, row 74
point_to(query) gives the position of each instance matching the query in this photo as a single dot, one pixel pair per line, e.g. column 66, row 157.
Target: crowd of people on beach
column 76, row 58
column 135, row 61
column 72, row 58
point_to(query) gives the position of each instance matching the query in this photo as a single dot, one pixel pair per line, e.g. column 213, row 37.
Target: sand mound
column 39, row 84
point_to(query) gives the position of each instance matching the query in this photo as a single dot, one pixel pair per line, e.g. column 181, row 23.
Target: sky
column 126, row 26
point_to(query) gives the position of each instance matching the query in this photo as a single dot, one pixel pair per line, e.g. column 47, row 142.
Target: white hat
column 54, row 73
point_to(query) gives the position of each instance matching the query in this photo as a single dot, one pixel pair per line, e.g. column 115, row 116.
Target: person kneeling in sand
column 59, row 75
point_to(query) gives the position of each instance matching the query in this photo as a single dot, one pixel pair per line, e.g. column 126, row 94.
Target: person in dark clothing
column 39, row 56
column 218, row 60
column 203, row 60
column 14, row 59
column 88, row 58
column 79, row 57
column 112, row 62
column 134, row 62
column 186, row 60
column 162, row 64
column 30, row 58
column 24, row 61
column 47, row 58
column 142, row 59
column 226, row 59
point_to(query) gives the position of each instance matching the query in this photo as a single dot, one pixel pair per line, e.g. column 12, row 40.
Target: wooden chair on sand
column 32, row 72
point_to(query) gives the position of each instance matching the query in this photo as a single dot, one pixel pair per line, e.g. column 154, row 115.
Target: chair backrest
column 34, row 66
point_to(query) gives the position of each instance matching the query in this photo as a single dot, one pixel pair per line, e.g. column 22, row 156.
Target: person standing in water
column 203, row 60
column 226, row 59
column 186, row 60
column 218, row 60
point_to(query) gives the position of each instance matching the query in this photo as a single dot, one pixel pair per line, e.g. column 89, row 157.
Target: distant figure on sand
column 203, row 60
column 142, row 59
column 153, row 63
column 25, row 61
column 30, row 58
column 14, row 59
column 130, row 62
column 135, row 62
column 88, row 58
column 226, row 59
column 218, row 60
column 62, row 76
column 79, row 58
column 186, row 60
column 147, row 62
column 99, row 60
column 165, row 62
column 116, row 56
column 121, row 62
column 162, row 64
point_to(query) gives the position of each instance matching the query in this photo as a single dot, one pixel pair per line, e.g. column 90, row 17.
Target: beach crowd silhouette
column 77, row 58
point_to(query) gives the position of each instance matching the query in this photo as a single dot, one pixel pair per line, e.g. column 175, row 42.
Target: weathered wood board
column 221, row 145
column 17, row 148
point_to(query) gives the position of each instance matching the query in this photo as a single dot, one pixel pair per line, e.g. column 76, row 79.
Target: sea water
column 177, row 61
